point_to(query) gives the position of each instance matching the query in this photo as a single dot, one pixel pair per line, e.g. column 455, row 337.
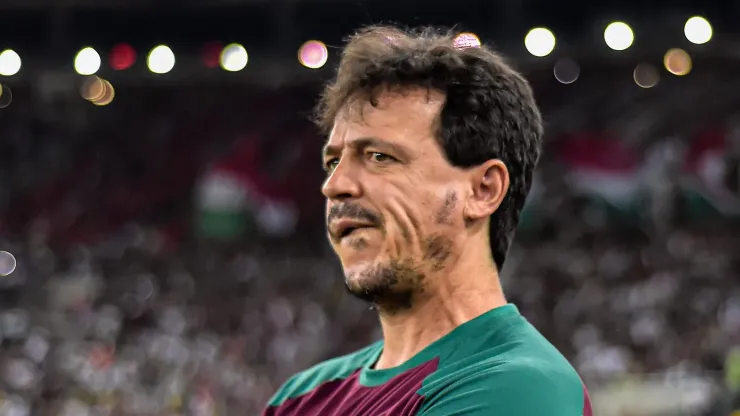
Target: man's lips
column 343, row 227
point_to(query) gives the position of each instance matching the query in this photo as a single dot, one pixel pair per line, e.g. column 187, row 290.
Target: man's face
column 393, row 211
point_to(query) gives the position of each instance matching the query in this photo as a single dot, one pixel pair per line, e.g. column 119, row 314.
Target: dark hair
column 489, row 110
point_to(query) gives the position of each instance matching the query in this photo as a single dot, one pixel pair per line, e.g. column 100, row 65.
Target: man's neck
column 450, row 300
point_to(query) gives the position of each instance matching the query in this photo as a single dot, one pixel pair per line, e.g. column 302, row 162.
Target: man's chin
column 366, row 285
column 387, row 285
column 358, row 273
column 354, row 259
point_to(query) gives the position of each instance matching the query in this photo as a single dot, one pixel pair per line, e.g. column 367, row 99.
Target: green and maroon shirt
column 497, row 364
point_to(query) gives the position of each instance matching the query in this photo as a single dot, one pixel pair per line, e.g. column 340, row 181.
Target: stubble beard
column 392, row 286
column 395, row 285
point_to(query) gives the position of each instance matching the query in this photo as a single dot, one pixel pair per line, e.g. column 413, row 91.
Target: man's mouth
column 349, row 231
column 344, row 228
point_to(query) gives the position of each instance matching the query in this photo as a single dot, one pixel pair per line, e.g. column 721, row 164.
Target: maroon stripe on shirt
column 347, row 397
column 586, row 403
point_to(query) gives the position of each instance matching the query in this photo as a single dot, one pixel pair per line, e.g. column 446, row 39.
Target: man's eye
column 380, row 157
column 331, row 164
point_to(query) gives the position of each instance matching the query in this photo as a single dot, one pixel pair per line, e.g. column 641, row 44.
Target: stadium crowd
column 121, row 304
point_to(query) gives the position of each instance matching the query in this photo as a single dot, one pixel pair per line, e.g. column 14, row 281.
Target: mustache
column 353, row 212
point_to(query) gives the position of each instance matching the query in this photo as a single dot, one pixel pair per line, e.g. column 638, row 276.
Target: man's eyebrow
column 364, row 142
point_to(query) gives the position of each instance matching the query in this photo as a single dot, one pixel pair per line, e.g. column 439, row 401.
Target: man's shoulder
column 523, row 383
column 515, row 345
column 518, row 364
column 528, row 367
column 337, row 368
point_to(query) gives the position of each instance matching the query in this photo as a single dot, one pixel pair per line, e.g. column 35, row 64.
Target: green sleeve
column 524, row 390
column 282, row 393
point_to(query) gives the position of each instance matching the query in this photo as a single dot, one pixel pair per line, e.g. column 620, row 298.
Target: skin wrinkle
column 405, row 226
column 405, row 214
column 435, row 248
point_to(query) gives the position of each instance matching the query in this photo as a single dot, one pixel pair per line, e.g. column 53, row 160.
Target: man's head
column 431, row 147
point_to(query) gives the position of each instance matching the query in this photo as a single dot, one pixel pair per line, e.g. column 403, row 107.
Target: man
column 429, row 160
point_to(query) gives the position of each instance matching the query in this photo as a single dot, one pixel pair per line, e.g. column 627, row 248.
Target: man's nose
column 342, row 183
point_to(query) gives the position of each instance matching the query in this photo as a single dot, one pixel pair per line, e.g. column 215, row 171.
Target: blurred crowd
column 124, row 303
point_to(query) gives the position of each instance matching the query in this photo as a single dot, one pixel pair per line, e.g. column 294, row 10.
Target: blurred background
column 162, row 243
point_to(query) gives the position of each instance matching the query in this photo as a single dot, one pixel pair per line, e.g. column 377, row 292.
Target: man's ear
column 489, row 182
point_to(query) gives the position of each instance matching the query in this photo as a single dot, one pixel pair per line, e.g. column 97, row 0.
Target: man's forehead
column 338, row 141
column 416, row 103
column 361, row 134
column 397, row 116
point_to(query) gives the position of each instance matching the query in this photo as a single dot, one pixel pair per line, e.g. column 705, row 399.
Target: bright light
column 698, row 30
column 97, row 90
column 161, row 60
column 10, row 63
column 566, row 71
column 122, row 56
column 313, row 54
column 646, row 76
column 7, row 263
column 234, row 57
column 87, row 61
column 467, row 40
column 6, row 96
column 677, row 62
column 619, row 36
column 540, row 41
column 108, row 94
column 92, row 89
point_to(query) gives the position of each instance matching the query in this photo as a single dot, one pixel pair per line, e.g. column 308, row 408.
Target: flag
column 531, row 216
column 235, row 198
column 602, row 168
column 704, row 181
column 226, row 194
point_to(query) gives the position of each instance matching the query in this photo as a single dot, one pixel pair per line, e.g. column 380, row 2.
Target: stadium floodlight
column 313, row 54
column 619, row 36
column 10, row 62
column 87, row 61
column 540, row 41
column 698, row 30
column 234, row 57
column 161, row 59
